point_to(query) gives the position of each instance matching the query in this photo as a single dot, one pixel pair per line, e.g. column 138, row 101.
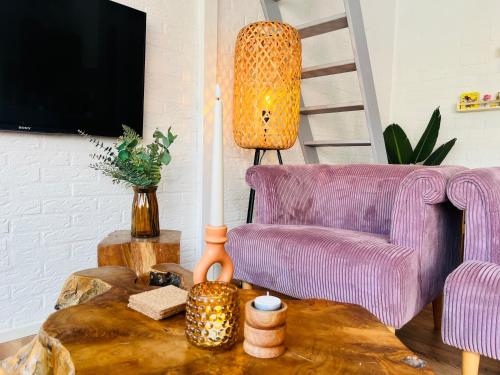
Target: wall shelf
column 484, row 105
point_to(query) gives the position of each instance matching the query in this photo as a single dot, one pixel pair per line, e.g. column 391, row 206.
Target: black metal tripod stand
column 256, row 161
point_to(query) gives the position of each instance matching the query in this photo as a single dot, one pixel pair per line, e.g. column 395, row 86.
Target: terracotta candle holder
column 215, row 237
column 264, row 331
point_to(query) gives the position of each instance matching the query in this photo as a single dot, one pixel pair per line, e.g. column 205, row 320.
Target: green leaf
column 143, row 156
column 171, row 136
column 165, row 141
column 428, row 139
column 397, row 145
column 122, row 146
column 123, row 155
column 165, row 158
column 133, row 143
column 438, row 156
column 158, row 134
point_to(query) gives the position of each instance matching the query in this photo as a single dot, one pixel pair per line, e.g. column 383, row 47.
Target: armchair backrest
column 357, row 197
column 477, row 192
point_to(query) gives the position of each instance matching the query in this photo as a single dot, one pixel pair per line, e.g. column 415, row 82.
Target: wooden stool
column 139, row 254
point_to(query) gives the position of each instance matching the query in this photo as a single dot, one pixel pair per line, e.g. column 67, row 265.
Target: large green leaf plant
column 400, row 151
column 129, row 161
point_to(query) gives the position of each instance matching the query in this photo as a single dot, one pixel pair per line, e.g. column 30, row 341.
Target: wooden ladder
column 353, row 20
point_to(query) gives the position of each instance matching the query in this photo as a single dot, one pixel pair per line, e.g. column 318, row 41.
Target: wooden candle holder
column 264, row 331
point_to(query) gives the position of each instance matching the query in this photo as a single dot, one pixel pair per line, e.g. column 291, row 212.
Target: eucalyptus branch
column 129, row 161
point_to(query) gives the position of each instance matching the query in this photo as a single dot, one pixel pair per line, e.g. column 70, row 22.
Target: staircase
column 353, row 20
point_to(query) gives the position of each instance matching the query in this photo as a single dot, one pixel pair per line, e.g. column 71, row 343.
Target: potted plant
column 400, row 151
column 130, row 162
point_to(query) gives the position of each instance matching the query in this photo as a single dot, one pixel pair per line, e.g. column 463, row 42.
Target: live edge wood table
column 139, row 254
column 103, row 336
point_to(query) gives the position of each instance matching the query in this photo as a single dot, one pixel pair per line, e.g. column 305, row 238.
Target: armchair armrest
column 417, row 193
column 425, row 221
column 477, row 191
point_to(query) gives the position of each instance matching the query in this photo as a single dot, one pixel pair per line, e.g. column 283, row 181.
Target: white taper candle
column 217, row 191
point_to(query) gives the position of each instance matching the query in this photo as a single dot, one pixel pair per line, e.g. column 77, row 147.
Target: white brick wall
column 54, row 209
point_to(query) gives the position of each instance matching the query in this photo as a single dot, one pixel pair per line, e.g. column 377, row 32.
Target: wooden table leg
column 470, row 363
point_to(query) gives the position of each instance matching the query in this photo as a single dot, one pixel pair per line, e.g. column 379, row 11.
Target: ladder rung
column 323, row 26
column 329, row 69
column 336, row 143
column 331, row 108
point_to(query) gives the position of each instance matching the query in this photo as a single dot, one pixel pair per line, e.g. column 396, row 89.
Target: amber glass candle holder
column 213, row 315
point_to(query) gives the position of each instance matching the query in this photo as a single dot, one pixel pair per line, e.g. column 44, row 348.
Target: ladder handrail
column 365, row 77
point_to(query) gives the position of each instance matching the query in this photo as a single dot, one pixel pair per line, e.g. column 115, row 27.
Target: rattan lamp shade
column 267, row 68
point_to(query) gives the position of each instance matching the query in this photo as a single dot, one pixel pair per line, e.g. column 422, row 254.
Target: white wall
column 444, row 48
column 54, row 209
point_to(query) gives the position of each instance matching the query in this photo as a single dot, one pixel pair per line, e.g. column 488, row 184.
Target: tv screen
column 67, row 65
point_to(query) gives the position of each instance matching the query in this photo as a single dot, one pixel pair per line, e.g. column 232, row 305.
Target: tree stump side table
column 139, row 254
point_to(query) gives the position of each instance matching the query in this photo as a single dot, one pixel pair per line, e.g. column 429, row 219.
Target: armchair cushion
column 471, row 318
column 331, row 263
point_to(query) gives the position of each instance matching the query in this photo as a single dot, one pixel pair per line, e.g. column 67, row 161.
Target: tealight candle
column 267, row 303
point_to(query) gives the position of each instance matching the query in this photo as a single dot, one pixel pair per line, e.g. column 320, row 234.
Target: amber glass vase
column 213, row 315
column 145, row 218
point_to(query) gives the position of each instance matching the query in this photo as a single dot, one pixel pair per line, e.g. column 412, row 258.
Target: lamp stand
column 256, row 161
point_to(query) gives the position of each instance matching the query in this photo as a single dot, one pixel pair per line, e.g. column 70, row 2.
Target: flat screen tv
column 67, row 65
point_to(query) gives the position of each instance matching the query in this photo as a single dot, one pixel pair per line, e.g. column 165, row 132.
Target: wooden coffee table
column 104, row 336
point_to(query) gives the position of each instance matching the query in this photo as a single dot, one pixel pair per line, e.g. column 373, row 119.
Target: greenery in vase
column 129, row 161
column 400, row 151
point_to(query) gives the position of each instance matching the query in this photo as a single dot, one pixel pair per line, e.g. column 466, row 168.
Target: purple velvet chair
column 381, row 236
column 471, row 317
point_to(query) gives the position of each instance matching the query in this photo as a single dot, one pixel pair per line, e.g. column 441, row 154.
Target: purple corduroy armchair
column 471, row 317
column 381, row 236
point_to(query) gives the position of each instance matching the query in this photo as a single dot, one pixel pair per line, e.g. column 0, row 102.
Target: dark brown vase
column 145, row 218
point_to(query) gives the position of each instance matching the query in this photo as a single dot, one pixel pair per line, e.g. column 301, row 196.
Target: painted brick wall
column 457, row 50
column 54, row 209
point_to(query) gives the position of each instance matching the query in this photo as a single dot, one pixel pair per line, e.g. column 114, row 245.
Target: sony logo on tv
column 22, row 127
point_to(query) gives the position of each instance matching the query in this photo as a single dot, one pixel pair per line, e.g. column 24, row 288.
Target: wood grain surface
column 139, row 254
column 103, row 336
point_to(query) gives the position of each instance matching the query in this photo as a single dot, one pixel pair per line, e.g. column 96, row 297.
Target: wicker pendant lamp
column 267, row 69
